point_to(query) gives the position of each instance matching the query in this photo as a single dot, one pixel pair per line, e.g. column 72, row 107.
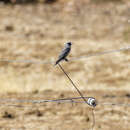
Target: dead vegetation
column 37, row 32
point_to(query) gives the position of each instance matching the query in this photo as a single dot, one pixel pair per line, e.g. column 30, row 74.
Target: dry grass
column 30, row 36
column 37, row 32
column 65, row 116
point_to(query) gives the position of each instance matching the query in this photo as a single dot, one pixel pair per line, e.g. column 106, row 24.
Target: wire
column 72, row 82
column 27, row 61
column 62, row 100
column 43, row 101
column 71, row 59
column 93, row 115
column 101, row 53
column 114, row 104
column 89, row 100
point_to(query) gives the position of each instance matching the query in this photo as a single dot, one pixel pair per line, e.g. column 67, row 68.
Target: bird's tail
column 57, row 61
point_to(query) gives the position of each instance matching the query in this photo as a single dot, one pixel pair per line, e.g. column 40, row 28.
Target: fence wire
column 91, row 101
column 17, row 103
column 71, row 59
column 62, row 100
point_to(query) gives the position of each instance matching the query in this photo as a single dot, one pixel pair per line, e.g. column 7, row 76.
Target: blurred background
column 36, row 30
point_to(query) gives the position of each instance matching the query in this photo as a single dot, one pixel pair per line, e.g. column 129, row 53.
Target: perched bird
column 64, row 53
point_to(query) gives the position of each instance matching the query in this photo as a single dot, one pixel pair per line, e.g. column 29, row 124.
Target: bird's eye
column 69, row 43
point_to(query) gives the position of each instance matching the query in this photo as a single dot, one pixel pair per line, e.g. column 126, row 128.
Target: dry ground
column 37, row 32
column 53, row 116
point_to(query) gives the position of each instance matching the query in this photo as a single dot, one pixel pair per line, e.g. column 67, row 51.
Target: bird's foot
column 66, row 60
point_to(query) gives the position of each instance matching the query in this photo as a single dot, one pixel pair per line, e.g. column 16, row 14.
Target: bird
column 64, row 53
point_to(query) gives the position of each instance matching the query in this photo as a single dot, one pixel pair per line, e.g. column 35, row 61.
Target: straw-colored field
column 37, row 33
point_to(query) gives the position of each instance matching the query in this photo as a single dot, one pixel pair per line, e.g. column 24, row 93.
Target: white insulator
column 92, row 102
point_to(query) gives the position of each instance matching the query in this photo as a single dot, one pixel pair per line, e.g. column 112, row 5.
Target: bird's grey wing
column 64, row 52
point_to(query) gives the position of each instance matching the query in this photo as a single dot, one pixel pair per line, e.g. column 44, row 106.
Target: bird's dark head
column 69, row 43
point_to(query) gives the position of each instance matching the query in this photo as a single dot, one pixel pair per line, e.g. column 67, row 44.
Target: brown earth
column 37, row 32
